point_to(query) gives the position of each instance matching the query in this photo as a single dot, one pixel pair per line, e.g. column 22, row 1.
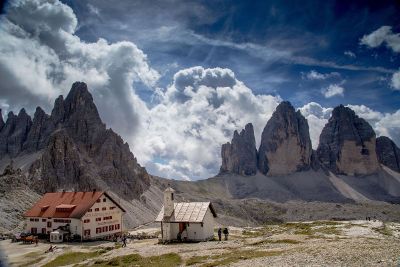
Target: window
column 44, row 231
column 43, row 220
column 86, row 232
column 111, row 208
column 86, row 221
column 111, row 227
column 60, row 237
column 105, row 228
column 90, row 210
column 172, row 196
column 98, row 230
column 117, row 227
column 98, row 219
column 104, row 199
column 48, row 224
column 103, row 208
column 96, row 209
column 32, row 220
column 107, row 218
column 201, row 224
column 36, row 219
column 98, row 201
column 33, row 230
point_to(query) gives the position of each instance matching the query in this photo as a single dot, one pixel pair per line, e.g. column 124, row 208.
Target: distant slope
column 258, row 199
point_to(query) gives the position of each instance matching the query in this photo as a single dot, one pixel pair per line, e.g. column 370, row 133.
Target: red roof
column 66, row 204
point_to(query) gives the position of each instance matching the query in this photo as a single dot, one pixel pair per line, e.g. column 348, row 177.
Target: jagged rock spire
column 347, row 144
column 388, row 153
column 285, row 142
column 1, row 120
column 240, row 156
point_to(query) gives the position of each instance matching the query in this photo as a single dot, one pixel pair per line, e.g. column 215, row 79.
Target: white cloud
column 40, row 58
column 382, row 35
column 314, row 75
column 333, row 90
column 349, row 54
column 317, row 116
column 392, row 40
column 396, row 80
column 181, row 135
column 198, row 112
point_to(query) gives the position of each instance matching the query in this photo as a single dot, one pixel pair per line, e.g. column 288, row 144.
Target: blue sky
column 176, row 78
column 204, row 33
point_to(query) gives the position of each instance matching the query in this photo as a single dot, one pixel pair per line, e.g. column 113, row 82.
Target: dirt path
column 352, row 243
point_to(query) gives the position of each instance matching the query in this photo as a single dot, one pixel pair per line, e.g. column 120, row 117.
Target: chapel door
column 181, row 227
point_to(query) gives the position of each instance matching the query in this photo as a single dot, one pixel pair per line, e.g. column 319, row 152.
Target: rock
column 80, row 153
column 347, row 144
column 1, row 120
column 60, row 166
column 285, row 142
column 58, row 112
column 38, row 136
column 14, row 133
column 388, row 153
column 240, row 156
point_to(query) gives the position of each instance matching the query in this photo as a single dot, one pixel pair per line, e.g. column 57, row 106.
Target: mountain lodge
column 89, row 215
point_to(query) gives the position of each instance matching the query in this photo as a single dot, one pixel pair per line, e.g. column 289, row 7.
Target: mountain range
column 71, row 149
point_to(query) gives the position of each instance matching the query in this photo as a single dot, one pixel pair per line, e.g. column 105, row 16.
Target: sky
column 176, row 78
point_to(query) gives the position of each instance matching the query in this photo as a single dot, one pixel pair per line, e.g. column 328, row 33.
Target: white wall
column 74, row 225
column 77, row 226
column 116, row 214
column 195, row 231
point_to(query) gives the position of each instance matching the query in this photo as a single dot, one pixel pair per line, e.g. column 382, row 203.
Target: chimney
column 168, row 201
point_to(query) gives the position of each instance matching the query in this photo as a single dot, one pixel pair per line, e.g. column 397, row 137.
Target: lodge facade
column 90, row 215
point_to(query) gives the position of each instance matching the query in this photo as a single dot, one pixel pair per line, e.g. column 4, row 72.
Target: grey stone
column 347, row 144
column 285, row 142
column 388, row 153
column 240, row 156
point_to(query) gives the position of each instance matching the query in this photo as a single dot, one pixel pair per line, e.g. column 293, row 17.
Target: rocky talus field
column 312, row 243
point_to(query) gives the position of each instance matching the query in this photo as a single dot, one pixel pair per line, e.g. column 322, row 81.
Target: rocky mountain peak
column 240, row 156
column 58, row 112
column 388, row 153
column 42, row 127
column 1, row 120
column 285, row 142
column 347, row 144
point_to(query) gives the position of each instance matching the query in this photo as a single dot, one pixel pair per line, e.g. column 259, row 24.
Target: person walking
column 226, row 233
column 124, row 241
column 219, row 233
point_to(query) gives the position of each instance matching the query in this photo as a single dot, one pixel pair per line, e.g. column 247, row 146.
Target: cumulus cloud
column 181, row 134
column 396, row 80
column 333, row 90
column 314, row 75
column 392, row 40
column 383, row 35
column 197, row 113
column 349, row 54
column 317, row 116
column 41, row 57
